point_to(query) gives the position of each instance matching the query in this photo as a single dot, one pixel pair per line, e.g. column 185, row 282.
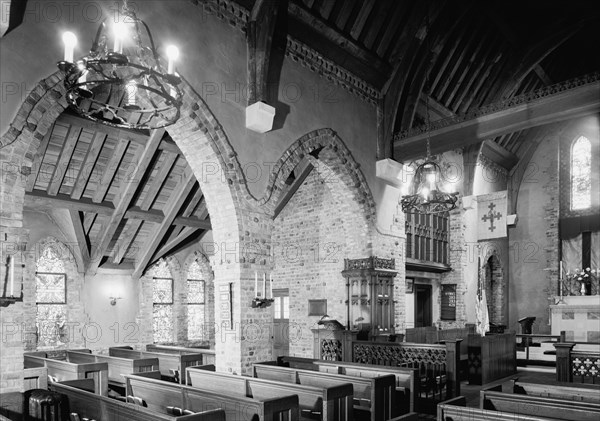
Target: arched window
column 581, row 174
column 51, row 298
column 196, row 287
column 162, row 298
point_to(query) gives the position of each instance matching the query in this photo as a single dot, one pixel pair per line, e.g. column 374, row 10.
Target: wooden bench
column 35, row 378
column 116, row 366
column 171, row 366
column 159, row 394
column 494, row 399
column 372, row 395
column 324, row 403
column 101, row 408
column 406, row 384
column 64, row 370
column 569, row 391
column 455, row 410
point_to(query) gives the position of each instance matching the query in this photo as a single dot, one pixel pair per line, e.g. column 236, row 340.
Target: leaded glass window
column 51, row 299
column 162, row 297
column 581, row 174
column 196, row 299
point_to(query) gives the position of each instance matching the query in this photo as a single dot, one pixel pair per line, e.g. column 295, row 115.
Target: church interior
column 300, row 210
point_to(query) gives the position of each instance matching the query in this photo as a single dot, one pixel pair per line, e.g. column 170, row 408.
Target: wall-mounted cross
column 491, row 215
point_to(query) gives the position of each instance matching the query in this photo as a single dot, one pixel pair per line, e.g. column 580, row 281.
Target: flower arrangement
column 581, row 282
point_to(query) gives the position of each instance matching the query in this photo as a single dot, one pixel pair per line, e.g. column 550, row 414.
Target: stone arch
column 340, row 161
column 495, row 286
column 209, row 153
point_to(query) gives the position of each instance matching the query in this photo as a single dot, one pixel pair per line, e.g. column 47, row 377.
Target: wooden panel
column 448, row 305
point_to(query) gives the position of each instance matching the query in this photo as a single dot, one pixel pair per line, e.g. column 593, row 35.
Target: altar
column 578, row 316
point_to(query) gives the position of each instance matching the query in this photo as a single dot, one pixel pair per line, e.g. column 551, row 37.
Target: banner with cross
column 491, row 214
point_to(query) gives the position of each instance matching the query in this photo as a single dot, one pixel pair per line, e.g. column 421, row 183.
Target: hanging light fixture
column 427, row 194
column 122, row 81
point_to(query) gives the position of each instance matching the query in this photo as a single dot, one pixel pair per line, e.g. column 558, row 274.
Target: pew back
column 208, row 355
column 370, row 394
column 35, row 378
column 567, row 391
column 101, row 408
column 65, row 370
column 539, row 406
column 116, row 366
column 332, row 403
column 158, row 392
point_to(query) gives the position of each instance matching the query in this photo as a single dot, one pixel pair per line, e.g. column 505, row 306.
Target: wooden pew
column 65, row 370
column 168, row 363
column 208, row 355
column 326, row 403
column 455, row 410
column 569, row 391
column 159, row 394
column 101, row 408
column 372, row 395
column 116, row 366
column 406, row 384
column 494, row 399
column 35, row 378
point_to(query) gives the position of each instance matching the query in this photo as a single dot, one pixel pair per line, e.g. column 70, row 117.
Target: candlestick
column 11, row 275
column 271, row 284
column 264, row 285
column 255, row 283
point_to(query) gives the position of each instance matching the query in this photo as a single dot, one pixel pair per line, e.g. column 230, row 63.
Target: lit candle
column 172, row 55
column 560, row 270
column 11, row 275
column 264, row 285
column 131, row 89
column 255, row 283
column 70, row 40
column 271, row 284
column 120, row 31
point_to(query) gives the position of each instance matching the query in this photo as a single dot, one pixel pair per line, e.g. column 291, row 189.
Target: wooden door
column 281, row 322
column 422, row 305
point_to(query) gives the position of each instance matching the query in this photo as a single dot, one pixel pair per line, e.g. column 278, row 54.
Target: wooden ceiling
column 132, row 196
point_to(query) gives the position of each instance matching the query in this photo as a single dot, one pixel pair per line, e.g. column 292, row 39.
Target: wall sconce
column 113, row 300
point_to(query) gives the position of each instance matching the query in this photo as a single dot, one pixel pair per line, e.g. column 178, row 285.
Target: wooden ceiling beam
column 128, row 189
column 174, row 204
column 64, row 158
column 110, row 170
column 570, row 103
column 293, row 189
column 499, row 155
column 82, row 239
column 388, row 35
column 125, row 239
column 377, row 24
column 361, row 18
column 346, row 10
column 325, row 8
column 135, row 136
column 87, row 166
column 159, row 180
column 172, row 244
column 38, row 159
column 41, row 200
column 191, row 206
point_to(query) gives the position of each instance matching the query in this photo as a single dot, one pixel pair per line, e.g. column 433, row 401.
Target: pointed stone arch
column 494, row 283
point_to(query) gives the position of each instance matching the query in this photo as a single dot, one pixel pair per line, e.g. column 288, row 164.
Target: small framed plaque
column 317, row 307
column 410, row 285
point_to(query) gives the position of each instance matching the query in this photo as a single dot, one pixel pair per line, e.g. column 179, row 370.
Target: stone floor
column 525, row 374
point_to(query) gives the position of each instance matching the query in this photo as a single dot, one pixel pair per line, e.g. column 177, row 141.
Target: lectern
column 526, row 326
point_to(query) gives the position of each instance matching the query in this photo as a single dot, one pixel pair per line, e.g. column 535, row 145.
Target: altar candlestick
column 271, row 284
column 256, row 283
column 560, row 279
column 11, row 275
column 264, row 285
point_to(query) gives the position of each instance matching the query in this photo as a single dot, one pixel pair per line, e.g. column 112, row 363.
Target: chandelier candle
column 120, row 31
column 271, row 284
column 70, row 41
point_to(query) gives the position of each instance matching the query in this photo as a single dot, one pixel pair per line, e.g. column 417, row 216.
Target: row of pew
column 527, row 402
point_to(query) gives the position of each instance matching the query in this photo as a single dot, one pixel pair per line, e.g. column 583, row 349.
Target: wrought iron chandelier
column 427, row 195
column 122, row 81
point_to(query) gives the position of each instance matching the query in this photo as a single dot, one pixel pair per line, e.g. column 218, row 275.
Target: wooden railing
column 582, row 366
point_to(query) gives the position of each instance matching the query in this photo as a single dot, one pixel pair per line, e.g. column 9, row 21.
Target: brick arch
column 340, row 161
column 66, row 254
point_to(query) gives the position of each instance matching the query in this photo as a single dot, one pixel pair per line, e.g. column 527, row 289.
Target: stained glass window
column 581, row 174
column 51, row 298
column 196, row 300
column 162, row 297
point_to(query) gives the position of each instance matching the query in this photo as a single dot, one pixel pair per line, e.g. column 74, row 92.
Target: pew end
column 457, row 401
column 411, row 416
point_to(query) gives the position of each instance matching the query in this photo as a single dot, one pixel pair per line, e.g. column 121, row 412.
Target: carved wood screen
column 427, row 237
